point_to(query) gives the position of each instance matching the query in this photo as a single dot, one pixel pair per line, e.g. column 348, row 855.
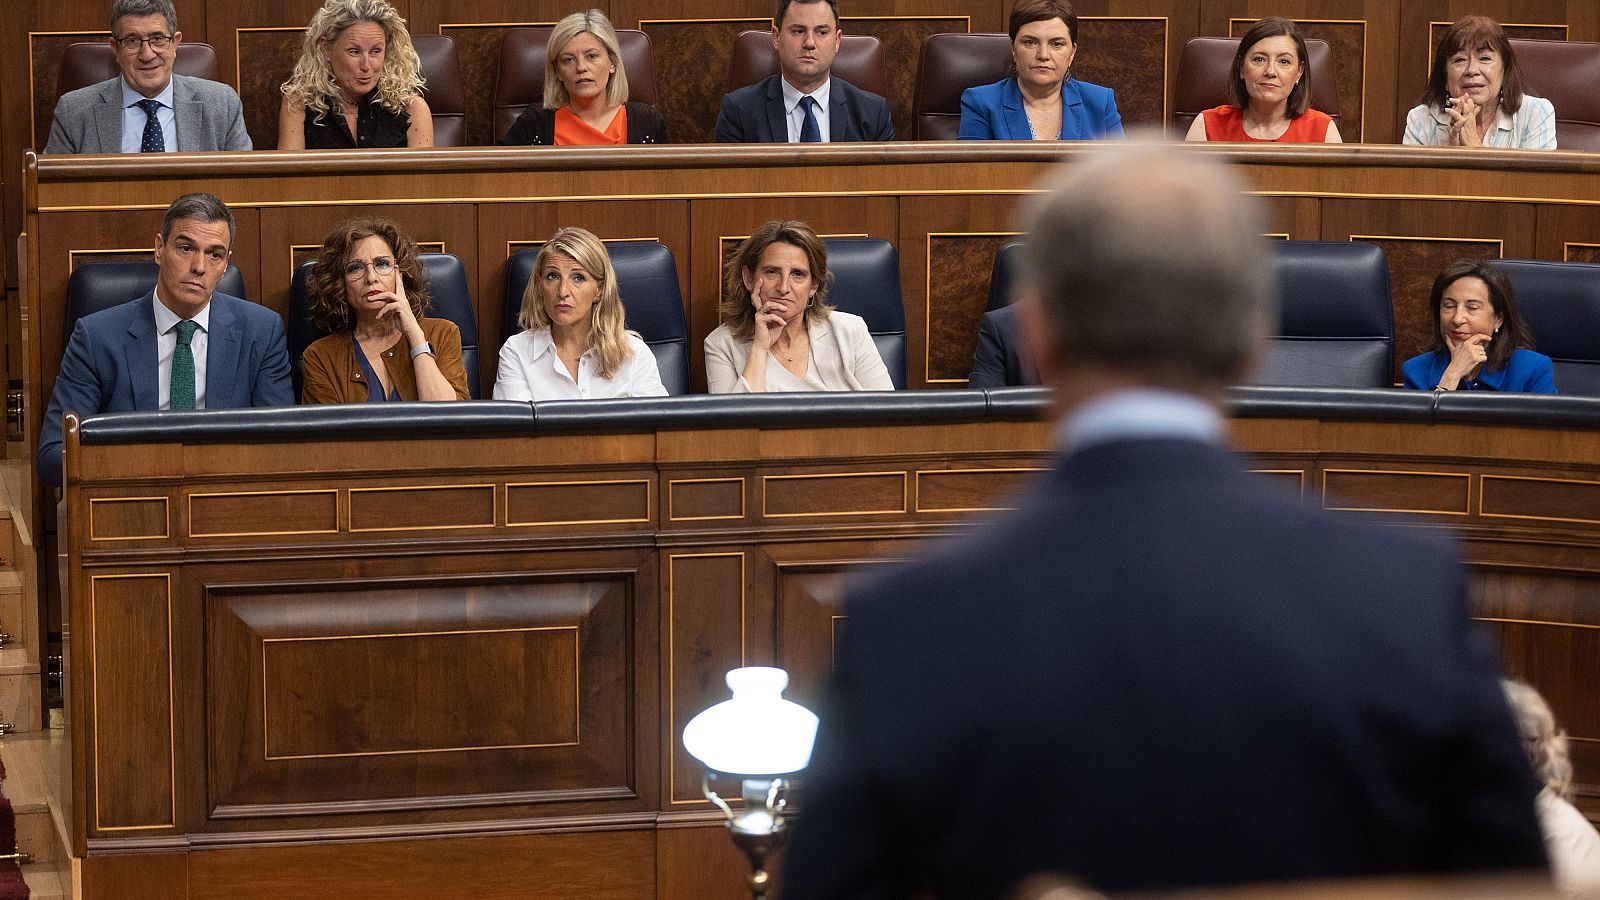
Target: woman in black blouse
column 358, row 83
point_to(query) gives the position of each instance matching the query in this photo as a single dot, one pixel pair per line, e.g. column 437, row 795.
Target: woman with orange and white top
column 586, row 92
column 1270, row 91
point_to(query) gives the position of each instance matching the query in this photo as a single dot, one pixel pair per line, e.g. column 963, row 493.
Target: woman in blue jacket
column 1041, row 101
column 1482, row 343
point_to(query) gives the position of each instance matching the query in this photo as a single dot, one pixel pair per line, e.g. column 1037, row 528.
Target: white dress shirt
column 167, row 344
column 1141, row 414
column 796, row 116
column 530, row 369
column 133, row 119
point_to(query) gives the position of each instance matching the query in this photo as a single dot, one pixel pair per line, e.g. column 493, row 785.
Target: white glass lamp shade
column 757, row 732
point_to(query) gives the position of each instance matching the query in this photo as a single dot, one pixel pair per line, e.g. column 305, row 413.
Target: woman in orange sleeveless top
column 1270, row 88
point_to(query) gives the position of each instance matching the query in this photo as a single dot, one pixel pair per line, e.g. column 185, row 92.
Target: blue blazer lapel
column 1017, row 127
column 1074, row 114
column 222, row 354
column 139, row 356
column 777, row 127
column 841, row 116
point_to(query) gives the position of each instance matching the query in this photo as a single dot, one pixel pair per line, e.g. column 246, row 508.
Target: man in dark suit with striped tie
column 184, row 345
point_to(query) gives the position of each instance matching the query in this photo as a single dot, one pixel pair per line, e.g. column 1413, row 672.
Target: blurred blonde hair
column 312, row 80
column 1544, row 741
column 608, row 337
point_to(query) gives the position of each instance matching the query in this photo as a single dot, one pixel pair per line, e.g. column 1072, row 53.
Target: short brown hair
column 783, row 10
column 1514, row 333
column 1272, row 26
column 326, row 302
column 1042, row 11
column 737, row 312
column 1474, row 33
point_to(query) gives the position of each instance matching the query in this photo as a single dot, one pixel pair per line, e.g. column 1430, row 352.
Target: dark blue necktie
column 153, row 140
column 809, row 132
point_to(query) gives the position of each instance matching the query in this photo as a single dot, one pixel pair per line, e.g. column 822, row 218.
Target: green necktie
column 182, row 392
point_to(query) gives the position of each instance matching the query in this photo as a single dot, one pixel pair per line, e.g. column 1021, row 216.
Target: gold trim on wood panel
column 333, row 530
column 905, row 499
column 1509, row 621
column 927, row 297
column 918, row 507
column 166, row 518
column 1487, row 477
column 1566, row 248
column 94, row 706
column 1280, row 235
column 33, row 100
column 238, row 57
column 1166, row 51
column 494, row 495
column 1366, row 53
column 577, row 709
column 677, row 481
column 672, row 662
column 647, row 501
column 72, row 255
column 1300, row 472
column 464, row 25
column 1428, row 512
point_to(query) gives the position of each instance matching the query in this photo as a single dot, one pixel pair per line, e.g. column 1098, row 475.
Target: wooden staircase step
column 45, row 882
column 34, row 772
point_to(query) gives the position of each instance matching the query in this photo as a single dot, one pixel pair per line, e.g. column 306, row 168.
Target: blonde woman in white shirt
column 1573, row 844
column 573, row 345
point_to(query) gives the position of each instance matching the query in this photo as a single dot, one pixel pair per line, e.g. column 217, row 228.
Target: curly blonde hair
column 327, row 303
column 312, row 80
column 608, row 338
column 1543, row 741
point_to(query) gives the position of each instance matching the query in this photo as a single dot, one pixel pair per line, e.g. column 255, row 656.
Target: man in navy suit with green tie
column 184, row 345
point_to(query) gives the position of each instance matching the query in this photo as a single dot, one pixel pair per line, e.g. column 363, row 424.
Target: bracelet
column 421, row 348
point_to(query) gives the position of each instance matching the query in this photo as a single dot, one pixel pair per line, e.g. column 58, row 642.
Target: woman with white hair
column 1572, row 843
column 358, row 83
column 586, row 92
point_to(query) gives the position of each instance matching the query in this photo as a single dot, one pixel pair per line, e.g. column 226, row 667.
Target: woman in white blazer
column 778, row 332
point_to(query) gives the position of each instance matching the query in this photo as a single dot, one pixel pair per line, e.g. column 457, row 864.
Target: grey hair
column 1543, row 741
column 144, row 8
column 201, row 208
column 1149, row 262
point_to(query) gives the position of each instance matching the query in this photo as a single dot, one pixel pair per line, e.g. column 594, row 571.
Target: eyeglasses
column 355, row 269
column 158, row 42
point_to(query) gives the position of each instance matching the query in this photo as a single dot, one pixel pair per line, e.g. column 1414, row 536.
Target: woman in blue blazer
column 1482, row 343
column 1041, row 101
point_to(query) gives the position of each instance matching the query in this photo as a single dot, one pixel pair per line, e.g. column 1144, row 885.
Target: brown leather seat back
column 442, row 71
column 860, row 61
column 92, row 62
column 1203, row 73
column 950, row 64
column 521, row 77
column 1567, row 73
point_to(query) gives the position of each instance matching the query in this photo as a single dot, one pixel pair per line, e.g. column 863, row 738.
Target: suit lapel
column 1017, row 127
column 222, row 355
column 108, row 124
column 139, row 356
column 841, row 124
column 777, row 127
column 187, row 114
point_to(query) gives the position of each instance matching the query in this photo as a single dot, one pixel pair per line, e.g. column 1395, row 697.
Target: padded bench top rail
column 701, row 411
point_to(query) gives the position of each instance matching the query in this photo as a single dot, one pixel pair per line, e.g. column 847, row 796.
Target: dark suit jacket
column 754, row 114
column 999, row 362
column 1159, row 672
column 537, row 126
column 206, row 116
column 110, row 366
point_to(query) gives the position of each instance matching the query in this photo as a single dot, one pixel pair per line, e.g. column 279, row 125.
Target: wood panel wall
column 1131, row 45
column 306, row 673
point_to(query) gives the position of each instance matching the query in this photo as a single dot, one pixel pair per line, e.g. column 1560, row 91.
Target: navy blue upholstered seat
column 1561, row 303
column 647, row 279
column 866, row 282
column 1338, row 321
column 452, row 299
column 101, row 285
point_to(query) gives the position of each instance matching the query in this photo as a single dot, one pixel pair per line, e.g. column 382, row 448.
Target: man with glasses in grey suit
column 147, row 108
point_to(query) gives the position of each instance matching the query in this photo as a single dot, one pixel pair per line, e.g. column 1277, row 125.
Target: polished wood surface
column 301, row 702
